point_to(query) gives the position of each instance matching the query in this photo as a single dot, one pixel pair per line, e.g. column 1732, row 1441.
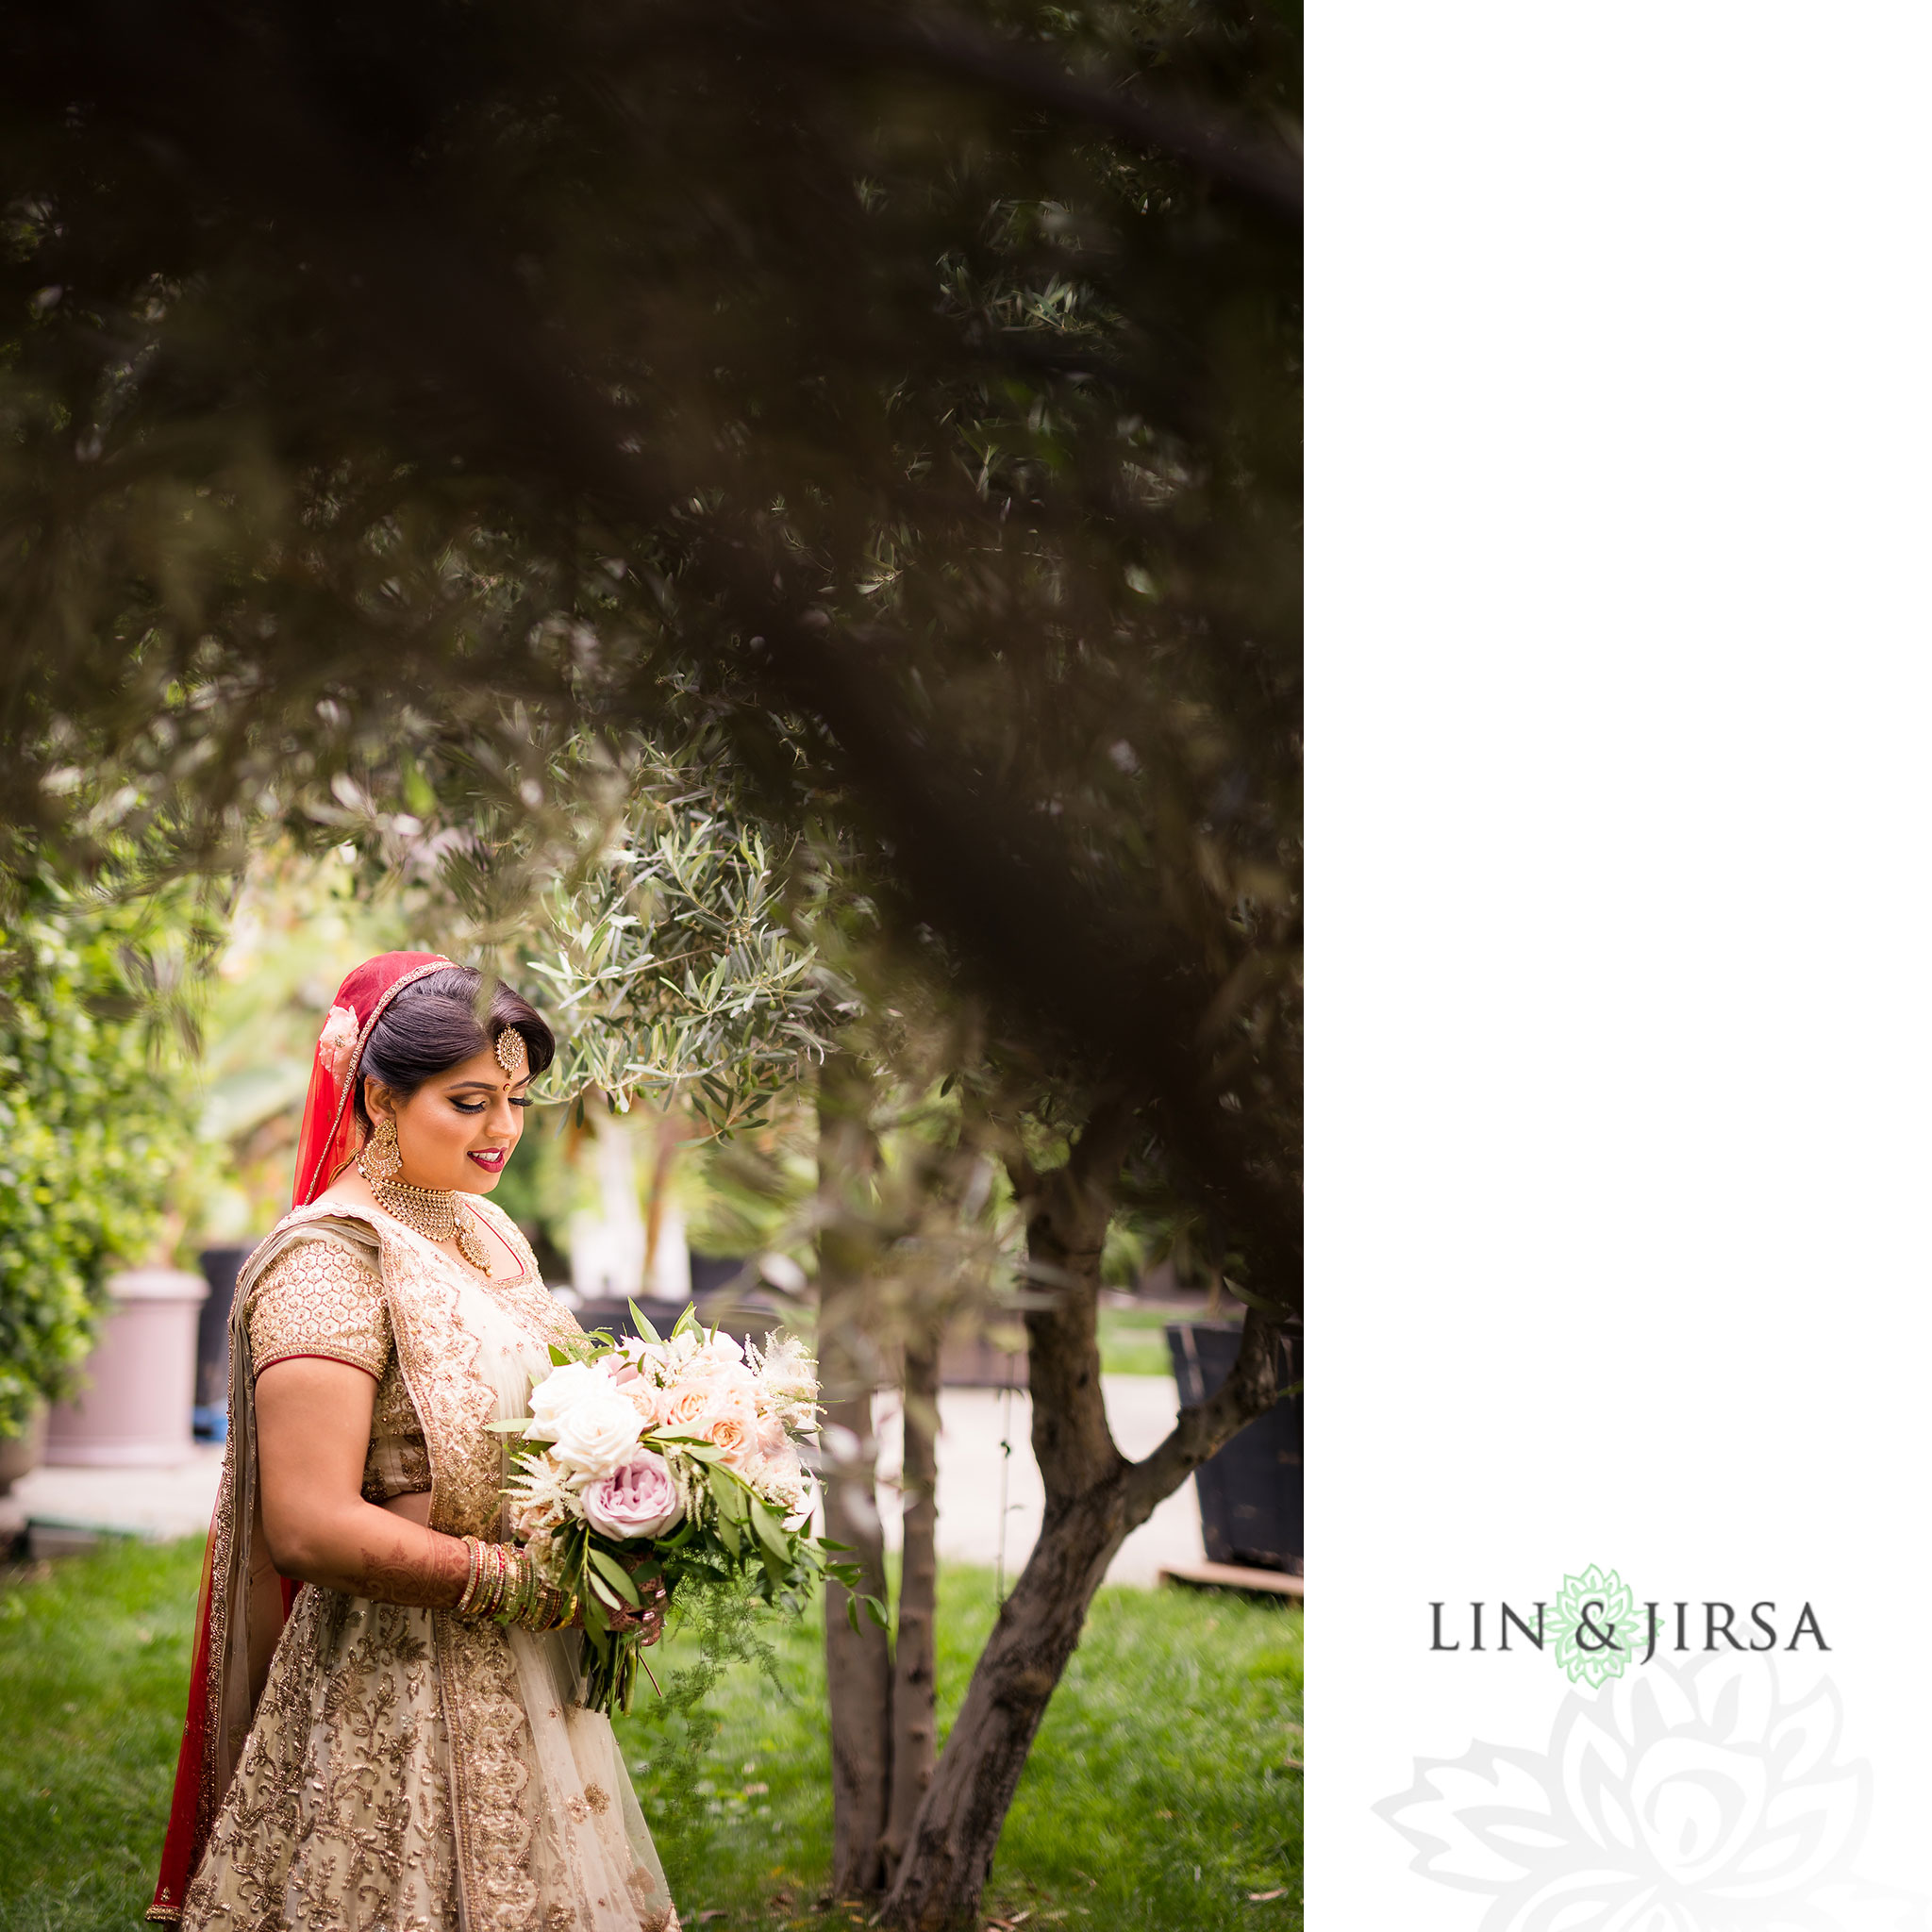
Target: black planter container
column 219, row 1268
column 1251, row 1488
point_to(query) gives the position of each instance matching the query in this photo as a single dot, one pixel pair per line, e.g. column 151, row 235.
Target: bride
column 382, row 1730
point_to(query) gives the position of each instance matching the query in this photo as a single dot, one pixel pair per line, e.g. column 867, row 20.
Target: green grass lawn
column 1164, row 1788
column 1132, row 1341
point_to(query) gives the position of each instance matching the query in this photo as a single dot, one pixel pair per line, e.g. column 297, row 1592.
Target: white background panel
column 1619, row 1104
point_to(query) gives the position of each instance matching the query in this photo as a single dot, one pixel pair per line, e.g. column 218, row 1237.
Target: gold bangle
column 473, row 1559
column 516, row 1590
column 491, row 1595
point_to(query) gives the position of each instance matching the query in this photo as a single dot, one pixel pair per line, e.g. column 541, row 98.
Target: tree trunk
column 1039, row 1626
column 859, row 1681
column 1094, row 1498
column 914, row 1720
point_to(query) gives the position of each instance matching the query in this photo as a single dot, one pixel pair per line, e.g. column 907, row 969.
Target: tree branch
column 1096, row 1157
column 1250, row 1390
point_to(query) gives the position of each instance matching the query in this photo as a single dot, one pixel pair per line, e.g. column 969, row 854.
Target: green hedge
column 95, row 1121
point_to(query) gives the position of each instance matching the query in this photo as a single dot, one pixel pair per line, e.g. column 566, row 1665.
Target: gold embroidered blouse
column 321, row 1297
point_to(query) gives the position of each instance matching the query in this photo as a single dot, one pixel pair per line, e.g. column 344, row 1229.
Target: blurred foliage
column 298, row 924
column 99, row 1161
column 409, row 409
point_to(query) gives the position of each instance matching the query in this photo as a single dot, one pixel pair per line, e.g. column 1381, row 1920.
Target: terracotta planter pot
column 137, row 1409
column 21, row 1455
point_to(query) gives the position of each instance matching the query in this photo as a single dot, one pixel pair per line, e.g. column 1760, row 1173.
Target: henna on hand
column 433, row 1578
column 647, row 1620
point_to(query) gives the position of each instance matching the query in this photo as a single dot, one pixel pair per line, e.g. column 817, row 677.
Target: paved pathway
column 1141, row 1410
column 150, row 1502
column 180, row 1501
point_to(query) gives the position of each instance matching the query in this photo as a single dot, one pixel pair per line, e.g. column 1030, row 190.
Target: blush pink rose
column 719, row 1356
column 638, row 1500
column 338, row 1041
column 714, row 1373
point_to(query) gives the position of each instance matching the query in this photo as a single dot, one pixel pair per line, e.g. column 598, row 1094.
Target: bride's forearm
column 365, row 1551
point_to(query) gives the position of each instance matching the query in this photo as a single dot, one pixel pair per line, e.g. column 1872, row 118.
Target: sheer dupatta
column 244, row 1603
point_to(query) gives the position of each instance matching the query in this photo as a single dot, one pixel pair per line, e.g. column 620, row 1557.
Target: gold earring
column 382, row 1160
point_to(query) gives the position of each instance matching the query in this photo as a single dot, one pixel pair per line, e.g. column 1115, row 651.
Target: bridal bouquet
column 677, row 1459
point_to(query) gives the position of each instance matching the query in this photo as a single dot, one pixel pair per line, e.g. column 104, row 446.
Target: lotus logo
column 1687, row 1798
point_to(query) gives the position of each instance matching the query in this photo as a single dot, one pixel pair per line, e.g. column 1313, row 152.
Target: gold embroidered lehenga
column 395, row 1769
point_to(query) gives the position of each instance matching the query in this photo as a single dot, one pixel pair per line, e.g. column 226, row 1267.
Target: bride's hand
column 648, row 1619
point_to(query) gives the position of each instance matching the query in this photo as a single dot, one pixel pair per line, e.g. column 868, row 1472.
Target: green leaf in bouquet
column 561, row 1358
column 727, row 1535
column 769, row 1533
column 597, row 1624
column 687, row 1324
column 616, row 1575
column 729, row 1493
column 643, row 1322
column 514, row 1426
column 604, row 1593
column 826, row 1542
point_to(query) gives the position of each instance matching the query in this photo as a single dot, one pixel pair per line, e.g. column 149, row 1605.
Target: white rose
column 591, row 1423
column 559, row 1390
column 593, row 1436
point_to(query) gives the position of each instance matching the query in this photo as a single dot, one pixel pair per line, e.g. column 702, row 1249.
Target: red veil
column 331, row 1137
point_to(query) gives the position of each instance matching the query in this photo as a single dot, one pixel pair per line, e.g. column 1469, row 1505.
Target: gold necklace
column 431, row 1211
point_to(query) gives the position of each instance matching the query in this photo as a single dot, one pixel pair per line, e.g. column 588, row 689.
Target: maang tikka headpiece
column 512, row 1056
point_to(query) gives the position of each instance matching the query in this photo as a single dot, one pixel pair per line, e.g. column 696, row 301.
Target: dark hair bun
column 433, row 1025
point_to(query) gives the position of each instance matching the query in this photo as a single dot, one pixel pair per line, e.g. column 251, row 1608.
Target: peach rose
column 684, row 1405
column 730, row 1421
column 646, row 1399
column 731, row 1436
